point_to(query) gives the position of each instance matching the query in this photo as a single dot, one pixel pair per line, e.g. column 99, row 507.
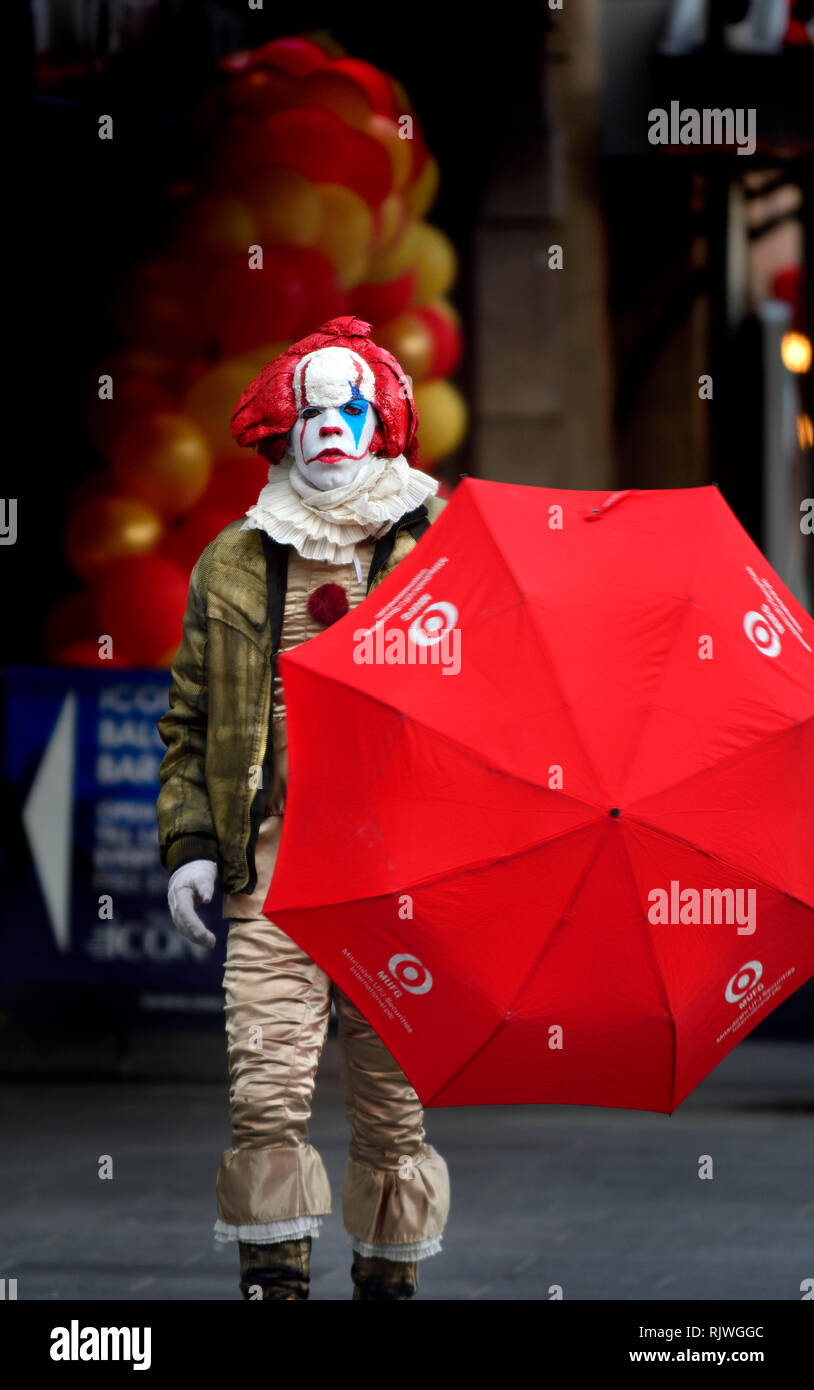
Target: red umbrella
column 573, row 863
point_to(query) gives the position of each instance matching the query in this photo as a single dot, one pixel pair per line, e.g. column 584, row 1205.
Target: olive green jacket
column 217, row 729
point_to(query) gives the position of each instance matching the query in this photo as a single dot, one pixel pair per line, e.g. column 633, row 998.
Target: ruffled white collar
column 327, row 525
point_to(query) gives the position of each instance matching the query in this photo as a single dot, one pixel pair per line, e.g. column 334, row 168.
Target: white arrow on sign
column 48, row 820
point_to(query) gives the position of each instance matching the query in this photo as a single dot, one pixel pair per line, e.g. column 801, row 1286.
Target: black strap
column 416, row 522
column 276, row 582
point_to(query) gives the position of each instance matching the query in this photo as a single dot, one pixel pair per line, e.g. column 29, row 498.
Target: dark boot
column 281, row 1270
column 376, row 1278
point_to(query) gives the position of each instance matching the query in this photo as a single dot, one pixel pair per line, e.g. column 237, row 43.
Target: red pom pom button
column 328, row 603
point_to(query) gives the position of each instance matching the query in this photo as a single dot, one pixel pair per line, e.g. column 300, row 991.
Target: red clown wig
column 268, row 408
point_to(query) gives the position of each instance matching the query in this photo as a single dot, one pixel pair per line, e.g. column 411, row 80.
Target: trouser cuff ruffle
column 397, row 1210
column 269, row 1187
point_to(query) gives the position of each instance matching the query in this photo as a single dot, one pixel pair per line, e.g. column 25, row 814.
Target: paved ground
column 606, row 1203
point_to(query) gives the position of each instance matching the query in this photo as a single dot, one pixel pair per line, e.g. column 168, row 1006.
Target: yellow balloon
column 258, row 358
column 400, row 151
column 211, row 400
column 287, row 206
column 435, row 262
column 393, row 218
column 346, row 233
column 410, row 342
column 164, row 460
column 442, row 418
column 214, row 226
column 124, row 363
column 422, row 194
column 336, row 92
column 396, row 259
column 100, row 528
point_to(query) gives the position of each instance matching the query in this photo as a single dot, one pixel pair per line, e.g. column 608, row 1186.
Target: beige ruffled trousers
column 272, row 1184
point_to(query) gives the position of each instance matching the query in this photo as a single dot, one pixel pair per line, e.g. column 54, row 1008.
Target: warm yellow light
column 796, row 352
column 805, row 431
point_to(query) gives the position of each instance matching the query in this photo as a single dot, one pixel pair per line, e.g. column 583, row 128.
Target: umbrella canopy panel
column 562, row 711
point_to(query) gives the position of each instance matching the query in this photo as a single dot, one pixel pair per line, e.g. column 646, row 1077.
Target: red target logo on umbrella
column 410, row 974
column 429, row 627
column 743, row 980
column 758, row 631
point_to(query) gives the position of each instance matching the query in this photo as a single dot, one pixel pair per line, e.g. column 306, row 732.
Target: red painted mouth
column 331, row 455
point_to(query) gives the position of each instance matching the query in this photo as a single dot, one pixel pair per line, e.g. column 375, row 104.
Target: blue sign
column 85, row 900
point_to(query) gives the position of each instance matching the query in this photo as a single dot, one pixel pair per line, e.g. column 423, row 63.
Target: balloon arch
column 312, row 203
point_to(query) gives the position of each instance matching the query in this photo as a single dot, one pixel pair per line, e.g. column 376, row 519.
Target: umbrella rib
column 709, row 772
column 454, row 742
column 578, row 887
column 456, row 870
column 636, row 747
column 657, row 973
column 534, row 604
column 531, row 971
column 714, row 767
column 472, row 868
column 736, row 869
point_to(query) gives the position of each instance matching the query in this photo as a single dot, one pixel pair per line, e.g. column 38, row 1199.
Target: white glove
column 189, row 886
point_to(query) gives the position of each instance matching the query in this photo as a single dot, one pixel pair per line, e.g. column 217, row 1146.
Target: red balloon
column 295, row 55
column 236, row 153
column 260, row 91
column 239, row 61
column 132, row 398
column 296, row 290
column 324, row 297
column 787, row 284
column 336, row 92
column 99, row 484
column 379, row 303
column 247, row 307
column 316, row 142
column 374, row 83
column 236, row 486
column 141, row 600
column 446, row 339
column 72, row 620
column 86, row 653
column 186, row 542
column 156, row 307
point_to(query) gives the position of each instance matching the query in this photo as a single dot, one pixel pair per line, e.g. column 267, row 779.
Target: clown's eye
column 352, row 410
column 310, row 412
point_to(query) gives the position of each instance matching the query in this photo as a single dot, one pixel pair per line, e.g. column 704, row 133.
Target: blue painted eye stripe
column 356, row 423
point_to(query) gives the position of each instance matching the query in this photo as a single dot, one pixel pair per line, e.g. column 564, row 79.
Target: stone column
column 542, row 406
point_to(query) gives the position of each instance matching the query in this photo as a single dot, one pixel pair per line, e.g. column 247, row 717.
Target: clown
column 335, row 417
column 330, row 442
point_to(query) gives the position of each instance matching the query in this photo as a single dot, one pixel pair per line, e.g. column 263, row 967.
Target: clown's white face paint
column 329, row 444
column 334, row 392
